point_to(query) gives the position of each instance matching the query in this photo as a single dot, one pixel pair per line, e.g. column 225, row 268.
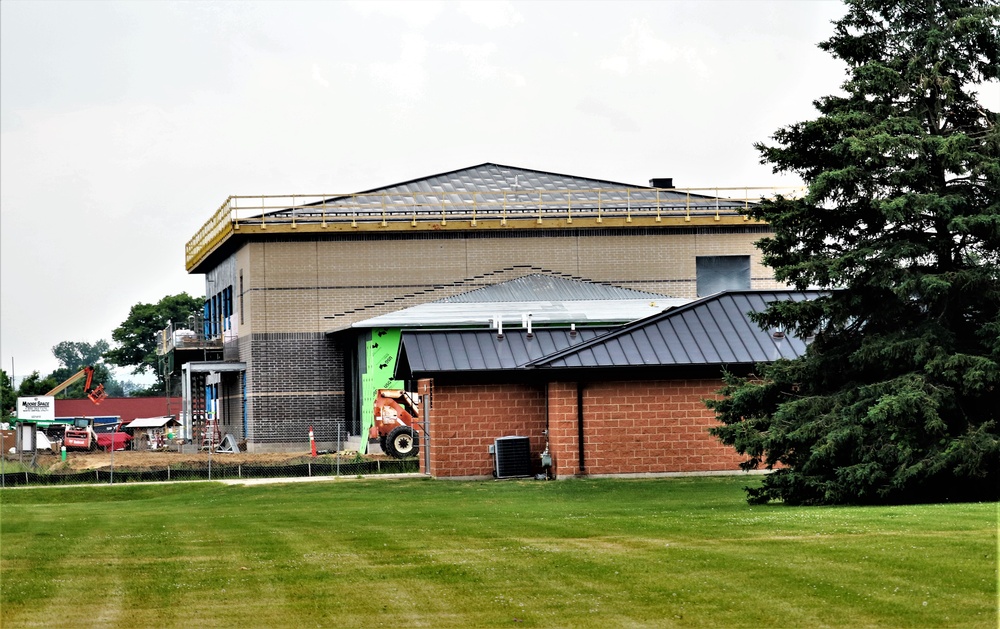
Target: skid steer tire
column 382, row 443
column 402, row 443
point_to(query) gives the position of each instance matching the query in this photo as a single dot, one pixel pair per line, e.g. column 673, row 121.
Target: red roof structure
column 128, row 408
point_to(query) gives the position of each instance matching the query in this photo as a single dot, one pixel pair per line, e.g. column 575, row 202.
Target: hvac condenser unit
column 511, row 457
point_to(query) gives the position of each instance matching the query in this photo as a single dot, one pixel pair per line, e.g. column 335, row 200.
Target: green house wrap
column 381, row 352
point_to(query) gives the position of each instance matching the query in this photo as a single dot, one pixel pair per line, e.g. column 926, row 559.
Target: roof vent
column 661, row 182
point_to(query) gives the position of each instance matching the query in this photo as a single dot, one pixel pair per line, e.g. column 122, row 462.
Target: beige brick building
column 287, row 276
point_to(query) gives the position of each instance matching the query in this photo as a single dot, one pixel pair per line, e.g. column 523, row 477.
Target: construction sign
column 39, row 407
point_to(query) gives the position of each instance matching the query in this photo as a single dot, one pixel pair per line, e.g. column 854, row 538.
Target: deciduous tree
column 898, row 396
column 34, row 384
column 138, row 335
column 75, row 355
column 8, row 397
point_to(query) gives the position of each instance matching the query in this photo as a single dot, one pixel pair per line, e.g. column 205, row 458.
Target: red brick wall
column 653, row 427
column 466, row 419
column 564, row 435
column 629, row 427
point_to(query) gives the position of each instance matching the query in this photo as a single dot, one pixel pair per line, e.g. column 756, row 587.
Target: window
column 719, row 273
column 241, row 297
column 227, row 308
column 218, row 310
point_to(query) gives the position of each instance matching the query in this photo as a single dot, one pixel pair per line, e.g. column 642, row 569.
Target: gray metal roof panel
column 725, row 337
column 758, row 341
column 715, row 330
column 700, row 336
column 435, row 351
column 456, row 351
column 490, row 358
column 712, row 331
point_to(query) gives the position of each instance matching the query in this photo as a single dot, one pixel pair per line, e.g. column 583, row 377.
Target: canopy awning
column 152, row 422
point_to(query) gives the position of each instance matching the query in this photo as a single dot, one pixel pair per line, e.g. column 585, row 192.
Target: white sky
column 125, row 125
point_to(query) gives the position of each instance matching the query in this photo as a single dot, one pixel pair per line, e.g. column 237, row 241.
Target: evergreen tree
column 898, row 396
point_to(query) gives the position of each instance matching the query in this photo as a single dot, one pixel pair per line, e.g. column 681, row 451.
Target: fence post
column 113, row 435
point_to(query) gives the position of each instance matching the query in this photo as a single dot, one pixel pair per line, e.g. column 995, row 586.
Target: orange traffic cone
column 312, row 441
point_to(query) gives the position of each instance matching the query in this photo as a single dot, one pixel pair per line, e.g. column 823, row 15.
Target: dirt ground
column 79, row 461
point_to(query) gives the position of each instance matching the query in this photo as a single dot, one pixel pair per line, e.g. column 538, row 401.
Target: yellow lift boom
column 96, row 395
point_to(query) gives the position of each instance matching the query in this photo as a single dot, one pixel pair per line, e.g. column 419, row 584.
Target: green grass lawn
column 581, row 553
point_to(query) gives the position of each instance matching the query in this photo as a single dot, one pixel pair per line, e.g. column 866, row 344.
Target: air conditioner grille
column 512, row 458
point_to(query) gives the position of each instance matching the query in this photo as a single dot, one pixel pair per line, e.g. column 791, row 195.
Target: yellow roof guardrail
column 395, row 211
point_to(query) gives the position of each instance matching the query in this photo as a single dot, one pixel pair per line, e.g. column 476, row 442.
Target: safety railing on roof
column 179, row 337
column 504, row 208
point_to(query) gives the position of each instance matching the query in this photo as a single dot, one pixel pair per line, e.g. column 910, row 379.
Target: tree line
column 135, row 346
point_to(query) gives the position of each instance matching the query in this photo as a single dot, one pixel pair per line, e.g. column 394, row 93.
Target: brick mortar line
column 267, row 394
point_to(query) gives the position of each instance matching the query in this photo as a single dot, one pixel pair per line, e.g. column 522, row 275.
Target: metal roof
column 548, row 299
column 542, row 287
column 542, row 313
column 715, row 330
column 437, row 351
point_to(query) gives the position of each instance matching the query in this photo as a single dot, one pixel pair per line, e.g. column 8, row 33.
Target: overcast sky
column 126, row 124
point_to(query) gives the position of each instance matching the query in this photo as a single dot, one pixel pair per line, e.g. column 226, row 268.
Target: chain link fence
column 20, row 475
column 184, row 463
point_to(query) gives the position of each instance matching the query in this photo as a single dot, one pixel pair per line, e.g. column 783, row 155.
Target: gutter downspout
column 579, row 428
column 425, row 412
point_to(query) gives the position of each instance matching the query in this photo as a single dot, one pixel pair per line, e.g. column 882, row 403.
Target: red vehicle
column 81, row 435
column 113, row 440
column 395, row 423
